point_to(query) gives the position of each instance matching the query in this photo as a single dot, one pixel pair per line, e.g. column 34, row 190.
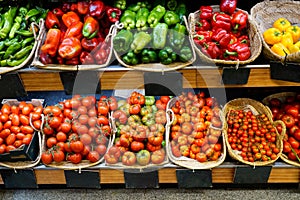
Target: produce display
column 17, row 33
column 196, row 130
column 153, row 34
column 283, row 37
column 287, row 108
column 140, row 131
column 77, row 130
column 76, row 33
column 223, row 34
column 18, row 122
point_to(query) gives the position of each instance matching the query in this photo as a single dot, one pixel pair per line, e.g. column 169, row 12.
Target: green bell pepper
column 167, row 56
column 177, row 36
column 185, row 54
column 121, row 4
column 122, row 41
column 141, row 19
column 134, row 7
column 128, row 19
column 171, row 18
column 8, row 23
column 130, row 58
column 156, row 15
column 144, row 4
column 140, row 41
column 159, row 34
column 15, row 27
column 149, row 100
column 181, row 11
column 148, row 56
column 172, row 4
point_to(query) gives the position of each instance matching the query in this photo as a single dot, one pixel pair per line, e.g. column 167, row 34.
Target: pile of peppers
column 76, row 33
column 153, row 33
column 16, row 34
column 223, row 35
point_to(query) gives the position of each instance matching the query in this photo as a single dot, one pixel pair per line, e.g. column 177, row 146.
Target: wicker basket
column 158, row 67
column 29, row 59
column 265, row 13
column 252, row 32
column 37, row 63
column 185, row 161
column 282, row 97
column 256, row 108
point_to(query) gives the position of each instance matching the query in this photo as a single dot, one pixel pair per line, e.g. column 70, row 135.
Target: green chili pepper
column 13, row 63
column 23, row 11
column 12, row 49
column 140, row 40
column 122, row 41
column 31, row 13
column 156, row 15
column 2, row 20
column 8, row 23
column 9, row 42
column 25, row 33
column 27, row 41
column 149, row 100
column 159, row 35
column 43, row 15
column 2, row 45
column 16, row 26
column 23, row 52
column 3, row 63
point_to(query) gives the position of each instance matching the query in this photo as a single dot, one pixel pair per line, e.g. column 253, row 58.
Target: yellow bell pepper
column 294, row 48
column 295, row 31
column 287, row 39
column 297, row 44
column 272, row 36
column 282, row 24
column 280, row 49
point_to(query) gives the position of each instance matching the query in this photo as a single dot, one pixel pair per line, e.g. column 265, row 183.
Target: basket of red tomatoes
column 195, row 131
column 285, row 106
column 139, row 123
column 20, row 136
column 251, row 135
column 224, row 34
column 77, row 132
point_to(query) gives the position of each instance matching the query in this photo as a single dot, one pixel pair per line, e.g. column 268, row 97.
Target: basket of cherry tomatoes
column 285, row 106
column 78, row 132
column 139, row 123
column 20, row 137
column 251, row 135
column 195, row 131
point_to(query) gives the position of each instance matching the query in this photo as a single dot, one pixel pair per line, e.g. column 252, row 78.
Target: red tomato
column 61, row 136
column 58, row 156
column 46, row 157
column 51, row 141
column 129, row 158
column 93, row 156
column 136, row 146
column 77, row 146
column 102, row 120
column 86, row 139
column 74, row 158
column 27, row 139
column 27, row 129
column 101, row 149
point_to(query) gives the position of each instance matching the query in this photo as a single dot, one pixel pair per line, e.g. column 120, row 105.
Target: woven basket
column 158, row 67
column 265, row 13
column 256, row 108
column 37, row 63
column 282, row 97
column 41, row 138
column 29, row 59
column 252, row 32
column 185, row 161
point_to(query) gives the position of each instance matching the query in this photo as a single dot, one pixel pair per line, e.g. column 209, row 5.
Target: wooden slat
column 222, row 175
column 189, row 78
column 111, row 176
column 167, row 175
column 1, row 180
column 50, row 177
column 285, row 175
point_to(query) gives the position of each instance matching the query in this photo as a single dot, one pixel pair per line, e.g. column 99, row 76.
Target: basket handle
column 170, row 116
column 283, row 131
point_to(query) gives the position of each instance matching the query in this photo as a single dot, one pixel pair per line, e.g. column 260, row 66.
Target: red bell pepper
column 202, row 25
column 202, row 37
column 239, row 50
column 228, row 6
column 86, row 58
column 244, row 39
column 51, row 43
column 233, row 38
column 221, row 20
column 74, row 7
column 69, row 18
column 72, row 61
column 206, row 12
column 239, row 20
column 51, row 20
column 89, row 44
column 60, row 60
column 83, row 7
column 97, row 9
column 221, row 36
column 58, row 12
column 66, row 7
column 211, row 50
column 45, row 58
column 75, row 30
column 101, row 54
column 113, row 14
column 90, row 27
column 69, row 48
